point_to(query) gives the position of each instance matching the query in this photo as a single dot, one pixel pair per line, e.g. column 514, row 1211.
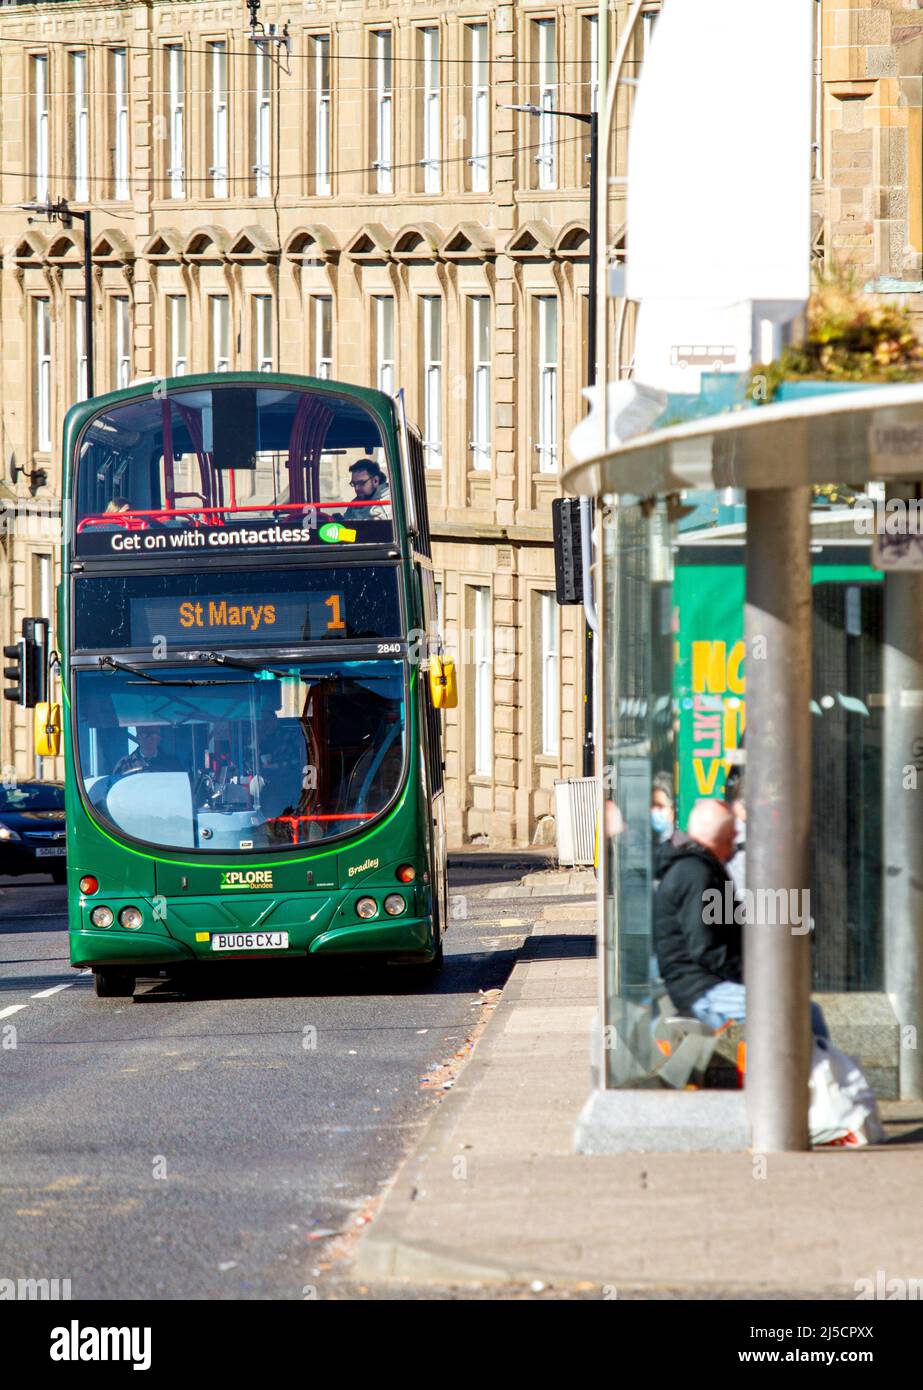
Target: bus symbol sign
column 250, row 878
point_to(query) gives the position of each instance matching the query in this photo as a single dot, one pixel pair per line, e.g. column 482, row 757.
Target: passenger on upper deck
column 370, row 484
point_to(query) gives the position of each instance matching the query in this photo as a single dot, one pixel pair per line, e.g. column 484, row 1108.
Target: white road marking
column 55, row 989
column 34, row 916
column 13, row 1009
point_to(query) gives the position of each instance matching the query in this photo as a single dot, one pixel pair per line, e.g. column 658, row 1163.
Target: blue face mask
column 661, row 820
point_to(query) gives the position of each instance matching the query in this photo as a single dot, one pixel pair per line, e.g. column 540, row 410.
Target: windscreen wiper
column 259, row 669
column 109, row 663
column 273, row 673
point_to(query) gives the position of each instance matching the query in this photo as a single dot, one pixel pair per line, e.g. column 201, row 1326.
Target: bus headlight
column 131, row 917
column 394, row 904
column 367, row 907
column 101, row 917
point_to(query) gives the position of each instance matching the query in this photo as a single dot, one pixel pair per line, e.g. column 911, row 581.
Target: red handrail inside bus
column 295, row 821
column 160, row 513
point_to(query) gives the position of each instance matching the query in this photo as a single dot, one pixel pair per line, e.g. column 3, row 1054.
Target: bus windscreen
column 218, row 470
column 225, row 761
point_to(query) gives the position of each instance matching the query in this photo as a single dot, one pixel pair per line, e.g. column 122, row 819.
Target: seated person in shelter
column 370, row 485
column 147, row 757
column 698, row 931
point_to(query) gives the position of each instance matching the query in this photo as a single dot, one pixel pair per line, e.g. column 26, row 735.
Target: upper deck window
column 218, row 470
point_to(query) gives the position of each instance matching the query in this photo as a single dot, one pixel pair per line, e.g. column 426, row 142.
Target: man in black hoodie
column 698, row 922
column 699, row 944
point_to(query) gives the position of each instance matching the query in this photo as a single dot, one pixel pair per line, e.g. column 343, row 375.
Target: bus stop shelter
column 818, row 463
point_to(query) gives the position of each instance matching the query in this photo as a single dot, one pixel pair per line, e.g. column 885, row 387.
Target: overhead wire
column 30, row 175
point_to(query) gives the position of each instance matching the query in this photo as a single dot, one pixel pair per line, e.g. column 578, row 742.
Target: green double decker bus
column 251, row 679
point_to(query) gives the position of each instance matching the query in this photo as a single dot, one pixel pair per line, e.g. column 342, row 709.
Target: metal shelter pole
column 777, row 955
column 902, row 813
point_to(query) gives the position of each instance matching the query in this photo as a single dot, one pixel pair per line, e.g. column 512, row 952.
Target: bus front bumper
column 92, row 946
column 409, row 938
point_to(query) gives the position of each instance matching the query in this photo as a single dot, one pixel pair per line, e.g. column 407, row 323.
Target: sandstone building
column 358, row 206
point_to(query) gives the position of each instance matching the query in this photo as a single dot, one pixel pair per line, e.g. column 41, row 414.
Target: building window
column 43, row 374
column 80, row 126
column 221, row 333
column 547, row 383
column 322, row 335
column 261, row 111
column 818, row 143
column 176, row 93
column 431, row 310
column 478, row 109
column 262, row 334
column 121, row 342
column 648, row 21
column 218, row 66
column 431, row 116
column 321, row 78
column 440, row 608
column 40, row 126
column 481, row 442
column 483, row 683
column 550, row 668
column 43, row 588
column 80, row 349
column 179, row 334
column 546, row 159
column 382, row 41
column 120, row 121
column 384, row 343
column 590, row 100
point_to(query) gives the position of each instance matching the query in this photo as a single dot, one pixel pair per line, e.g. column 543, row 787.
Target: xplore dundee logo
column 250, row 878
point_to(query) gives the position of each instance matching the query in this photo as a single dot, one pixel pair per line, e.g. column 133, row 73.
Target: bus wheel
column 433, row 968
column 114, row 984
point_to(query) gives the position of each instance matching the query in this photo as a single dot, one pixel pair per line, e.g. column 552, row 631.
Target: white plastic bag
column 843, row 1108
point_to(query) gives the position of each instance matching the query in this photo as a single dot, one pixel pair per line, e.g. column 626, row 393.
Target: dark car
column 32, row 830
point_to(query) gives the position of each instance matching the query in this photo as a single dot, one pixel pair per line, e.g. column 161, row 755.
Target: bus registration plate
column 250, row 941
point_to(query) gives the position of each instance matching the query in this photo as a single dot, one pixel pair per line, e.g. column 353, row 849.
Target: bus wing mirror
column 47, row 729
column 443, row 684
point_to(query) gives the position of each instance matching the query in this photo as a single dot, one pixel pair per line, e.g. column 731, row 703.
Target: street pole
column 777, row 946
column 86, row 218
column 902, row 810
column 591, row 119
column 589, row 750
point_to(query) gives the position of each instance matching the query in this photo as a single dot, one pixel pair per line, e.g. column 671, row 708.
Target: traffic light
column 35, row 636
column 568, row 556
column 28, row 671
column 15, row 673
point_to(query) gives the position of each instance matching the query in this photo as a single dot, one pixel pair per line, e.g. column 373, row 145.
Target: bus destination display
column 218, row 609
column 280, row 618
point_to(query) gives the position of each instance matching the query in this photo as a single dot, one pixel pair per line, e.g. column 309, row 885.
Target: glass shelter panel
column 638, row 744
column 675, row 732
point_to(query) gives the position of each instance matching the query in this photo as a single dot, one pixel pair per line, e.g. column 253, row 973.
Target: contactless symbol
column 333, row 531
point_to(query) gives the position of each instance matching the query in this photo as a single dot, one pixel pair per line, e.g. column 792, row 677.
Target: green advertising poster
column 709, row 677
column 709, row 688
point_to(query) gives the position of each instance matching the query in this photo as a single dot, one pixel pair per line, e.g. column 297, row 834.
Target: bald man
column 698, row 925
column 699, row 944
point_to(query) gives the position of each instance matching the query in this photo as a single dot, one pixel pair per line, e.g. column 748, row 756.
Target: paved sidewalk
column 549, row 883
column 494, row 1193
